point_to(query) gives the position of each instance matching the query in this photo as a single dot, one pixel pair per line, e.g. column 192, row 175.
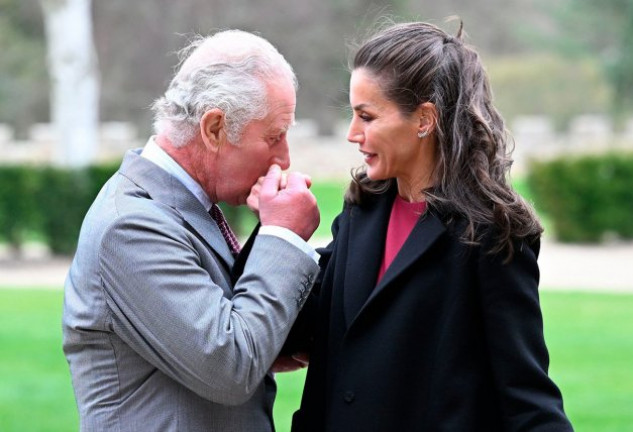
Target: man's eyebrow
column 282, row 129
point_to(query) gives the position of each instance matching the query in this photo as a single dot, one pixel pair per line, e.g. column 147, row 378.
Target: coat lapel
column 368, row 228
column 426, row 231
column 165, row 188
column 424, row 234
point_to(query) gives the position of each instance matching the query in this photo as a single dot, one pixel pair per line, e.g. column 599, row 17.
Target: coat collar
column 368, row 230
column 164, row 188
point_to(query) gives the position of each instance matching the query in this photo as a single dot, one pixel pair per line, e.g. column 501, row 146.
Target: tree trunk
column 72, row 65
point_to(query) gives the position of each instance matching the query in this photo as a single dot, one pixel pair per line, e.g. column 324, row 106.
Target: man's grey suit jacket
column 157, row 335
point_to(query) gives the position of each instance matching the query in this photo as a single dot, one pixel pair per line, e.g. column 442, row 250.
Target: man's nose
column 282, row 158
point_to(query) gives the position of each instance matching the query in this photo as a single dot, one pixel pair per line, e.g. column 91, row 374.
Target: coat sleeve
column 514, row 334
column 167, row 307
column 303, row 332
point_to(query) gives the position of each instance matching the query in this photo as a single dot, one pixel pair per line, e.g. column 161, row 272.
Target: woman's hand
column 253, row 198
column 290, row 363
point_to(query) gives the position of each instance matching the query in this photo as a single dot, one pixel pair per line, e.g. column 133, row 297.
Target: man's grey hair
column 229, row 71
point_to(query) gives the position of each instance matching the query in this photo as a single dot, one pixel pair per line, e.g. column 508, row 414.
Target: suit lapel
column 206, row 227
column 165, row 188
column 240, row 260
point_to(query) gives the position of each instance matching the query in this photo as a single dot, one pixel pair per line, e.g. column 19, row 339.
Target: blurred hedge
column 49, row 204
column 586, row 198
column 557, row 87
column 18, row 215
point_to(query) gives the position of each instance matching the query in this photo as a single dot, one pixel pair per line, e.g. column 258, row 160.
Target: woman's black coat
column 451, row 339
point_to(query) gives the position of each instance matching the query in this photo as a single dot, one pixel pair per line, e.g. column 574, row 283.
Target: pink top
column 404, row 216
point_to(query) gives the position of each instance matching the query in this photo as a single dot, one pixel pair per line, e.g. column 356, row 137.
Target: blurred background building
column 558, row 81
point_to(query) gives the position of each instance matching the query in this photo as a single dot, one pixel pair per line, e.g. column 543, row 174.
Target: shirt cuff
column 290, row 237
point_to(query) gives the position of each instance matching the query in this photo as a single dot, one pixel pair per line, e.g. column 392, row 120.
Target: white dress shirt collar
column 158, row 156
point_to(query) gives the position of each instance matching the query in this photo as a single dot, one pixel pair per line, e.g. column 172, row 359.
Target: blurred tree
column 547, row 85
column 602, row 29
column 135, row 42
column 493, row 26
column 311, row 35
column 23, row 80
column 618, row 58
column 72, row 65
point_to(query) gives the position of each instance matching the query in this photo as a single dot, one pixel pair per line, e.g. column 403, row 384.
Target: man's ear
column 212, row 129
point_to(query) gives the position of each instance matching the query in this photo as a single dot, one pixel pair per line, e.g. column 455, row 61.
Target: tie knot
column 216, row 213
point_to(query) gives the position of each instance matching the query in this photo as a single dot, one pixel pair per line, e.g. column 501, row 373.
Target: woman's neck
column 412, row 191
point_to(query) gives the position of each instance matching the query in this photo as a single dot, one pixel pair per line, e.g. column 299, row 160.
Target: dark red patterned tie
column 225, row 229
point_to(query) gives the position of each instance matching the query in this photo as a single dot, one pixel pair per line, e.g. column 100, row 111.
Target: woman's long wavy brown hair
column 416, row 63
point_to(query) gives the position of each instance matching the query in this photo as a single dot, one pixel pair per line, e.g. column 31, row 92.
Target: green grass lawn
column 589, row 336
column 35, row 394
column 329, row 195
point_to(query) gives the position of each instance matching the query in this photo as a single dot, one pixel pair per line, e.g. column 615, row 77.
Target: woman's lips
column 368, row 156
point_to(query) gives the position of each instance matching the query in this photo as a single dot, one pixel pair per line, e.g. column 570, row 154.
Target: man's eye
column 277, row 138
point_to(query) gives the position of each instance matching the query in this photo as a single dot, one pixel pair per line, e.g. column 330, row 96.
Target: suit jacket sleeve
column 166, row 305
column 514, row 331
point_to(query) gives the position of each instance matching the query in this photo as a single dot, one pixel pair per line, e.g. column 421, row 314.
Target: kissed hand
column 285, row 201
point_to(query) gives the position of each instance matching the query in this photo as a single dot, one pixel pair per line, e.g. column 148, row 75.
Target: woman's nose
column 354, row 134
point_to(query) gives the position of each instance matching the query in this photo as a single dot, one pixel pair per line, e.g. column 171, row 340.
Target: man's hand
column 293, row 207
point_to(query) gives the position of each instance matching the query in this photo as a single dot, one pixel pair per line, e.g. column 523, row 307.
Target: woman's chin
column 375, row 175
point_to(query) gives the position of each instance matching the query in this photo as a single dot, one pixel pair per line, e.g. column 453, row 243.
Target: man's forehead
column 282, row 114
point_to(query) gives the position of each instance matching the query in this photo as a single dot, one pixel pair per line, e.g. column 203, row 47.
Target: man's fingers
column 296, row 181
column 270, row 184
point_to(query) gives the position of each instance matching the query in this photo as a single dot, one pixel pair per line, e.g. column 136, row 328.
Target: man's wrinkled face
column 261, row 144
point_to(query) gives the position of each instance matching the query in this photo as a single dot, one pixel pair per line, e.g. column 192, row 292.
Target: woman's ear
column 212, row 129
column 427, row 113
